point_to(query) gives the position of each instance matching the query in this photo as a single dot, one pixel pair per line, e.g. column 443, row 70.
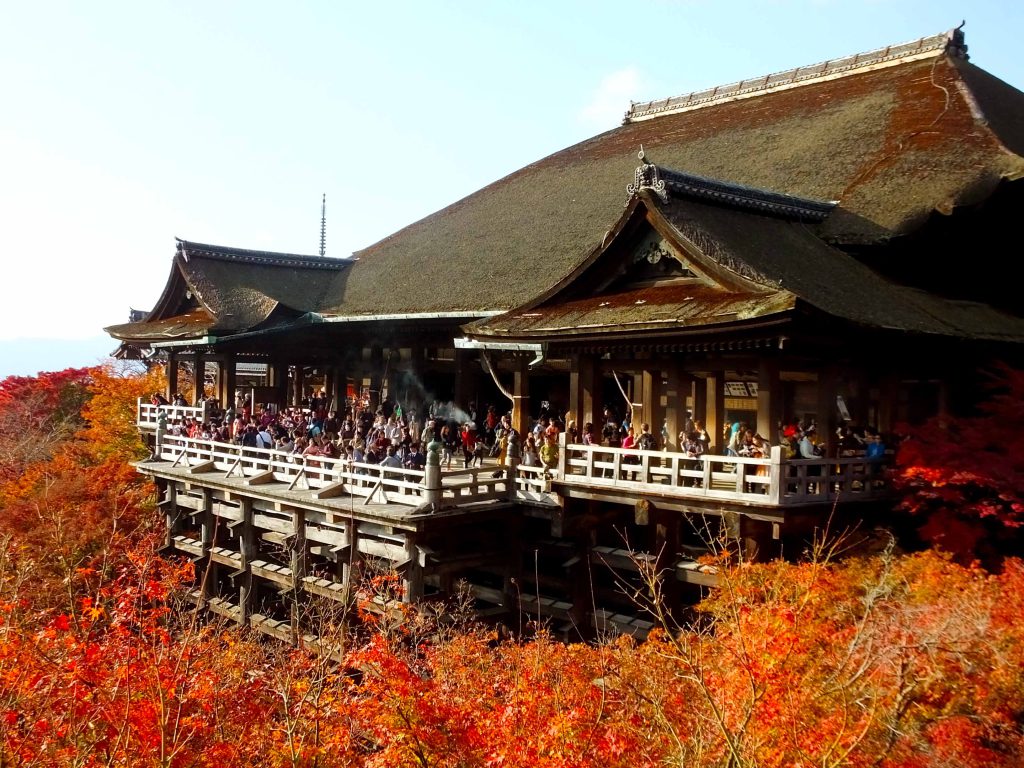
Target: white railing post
column 775, row 474
column 431, row 474
column 563, row 453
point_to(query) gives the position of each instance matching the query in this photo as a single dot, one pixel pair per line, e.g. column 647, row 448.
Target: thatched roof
column 890, row 144
column 776, row 262
column 216, row 290
column 892, row 141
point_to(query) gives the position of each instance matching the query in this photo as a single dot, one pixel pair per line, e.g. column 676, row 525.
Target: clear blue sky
column 123, row 125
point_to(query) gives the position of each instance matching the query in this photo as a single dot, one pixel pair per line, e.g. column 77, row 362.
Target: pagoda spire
column 323, row 225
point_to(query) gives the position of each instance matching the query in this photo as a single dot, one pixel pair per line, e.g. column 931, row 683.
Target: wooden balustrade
column 773, row 481
column 145, row 413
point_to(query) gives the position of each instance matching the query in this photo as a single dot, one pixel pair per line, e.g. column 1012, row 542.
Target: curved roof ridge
column 188, row 248
column 951, row 42
column 661, row 179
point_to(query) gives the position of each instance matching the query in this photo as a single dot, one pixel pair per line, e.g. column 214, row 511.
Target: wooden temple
column 806, row 244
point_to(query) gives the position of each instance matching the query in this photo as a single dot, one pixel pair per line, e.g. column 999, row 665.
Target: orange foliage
column 898, row 662
column 964, row 477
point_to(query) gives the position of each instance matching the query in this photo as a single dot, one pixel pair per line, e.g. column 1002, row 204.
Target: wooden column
column 888, row 401
column 298, row 385
column 337, row 391
column 355, row 373
column 229, row 376
column 282, row 383
column 769, row 399
column 513, row 577
column 828, row 412
column 582, row 385
column 663, row 543
column 462, row 390
column 700, row 400
column 208, row 524
column 859, row 407
column 521, row 397
column 348, row 557
column 297, row 562
column 329, row 385
column 652, row 411
column 412, row 577
column 758, row 540
column 199, row 373
column 172, row 375
column 376, row 376
column 248, row 549
column 677, row 390
column 714, row 417
column 171, row 512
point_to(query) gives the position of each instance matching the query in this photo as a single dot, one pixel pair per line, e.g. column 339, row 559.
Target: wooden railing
column 772, row 481
column 328, row 477
column 145, row 414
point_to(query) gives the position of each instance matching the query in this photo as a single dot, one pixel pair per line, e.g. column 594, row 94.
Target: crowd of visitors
column 392, row 437
column 386, row 435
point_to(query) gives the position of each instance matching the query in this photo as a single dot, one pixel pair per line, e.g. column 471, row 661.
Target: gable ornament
column 646, row 177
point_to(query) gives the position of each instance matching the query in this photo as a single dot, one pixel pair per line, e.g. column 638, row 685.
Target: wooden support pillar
column 828, row 412
column 298, row 385
column 700, row 401
column 757, row 544
column 663, row 543
column 329, row 385
column 714, row 415
column 172, row 375
column 348, row 559
column 376, row 376
column 356, row 375
column 859, row 392
column 513, row 576
column 652, row 411
column 888, row 401
column 412, row 578
column 208, row 525
column 582, row 385
column 769, row 399
column 336, row 392
column 521, row 397
column 229, row 374
column 199, row 373
column 678, row 388
column 467, row 379
column 247, row 548
column 171, row 512
column 582, row 581
column 297, row 562
column 281, row 384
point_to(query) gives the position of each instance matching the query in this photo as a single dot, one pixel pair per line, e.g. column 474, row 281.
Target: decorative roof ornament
column 646, row 177
column 666, row 182
column 955, row 45
column 323, row 225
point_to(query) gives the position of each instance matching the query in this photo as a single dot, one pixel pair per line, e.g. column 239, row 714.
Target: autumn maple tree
column 963, row 477
column 893, row 660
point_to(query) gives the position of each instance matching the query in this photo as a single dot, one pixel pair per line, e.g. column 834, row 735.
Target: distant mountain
column 27, row 357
